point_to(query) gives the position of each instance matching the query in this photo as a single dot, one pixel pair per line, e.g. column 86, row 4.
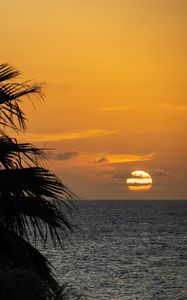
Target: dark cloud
column 122, row 175
column 101, row 160
column 67, row 155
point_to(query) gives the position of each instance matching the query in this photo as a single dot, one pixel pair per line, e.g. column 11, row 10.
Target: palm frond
column 23, row 255
column 32, row 217
column 18, row 283
column 11, row 94
column 22, row 284
column 67, row 292
column 10, row 98
column 33, row 181
column 7, row 72
column 31, row 200
column 13, row 91
column 14, row 155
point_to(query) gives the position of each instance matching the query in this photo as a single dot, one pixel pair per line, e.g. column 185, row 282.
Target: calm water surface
column 126, row 250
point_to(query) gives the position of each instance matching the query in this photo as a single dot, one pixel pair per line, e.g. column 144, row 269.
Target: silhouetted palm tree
column 33, row 201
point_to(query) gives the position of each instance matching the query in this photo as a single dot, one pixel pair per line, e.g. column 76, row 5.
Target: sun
column 139, row 180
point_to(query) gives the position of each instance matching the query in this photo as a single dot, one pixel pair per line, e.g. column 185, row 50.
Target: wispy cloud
column 72, row 135
column 118, row 173
column 101, row 160
column 123, row 158
column 84, row 158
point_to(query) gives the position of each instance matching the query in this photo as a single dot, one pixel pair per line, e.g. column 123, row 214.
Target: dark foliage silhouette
column 33, row 202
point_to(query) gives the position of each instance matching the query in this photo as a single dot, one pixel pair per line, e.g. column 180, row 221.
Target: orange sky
column 115, row 78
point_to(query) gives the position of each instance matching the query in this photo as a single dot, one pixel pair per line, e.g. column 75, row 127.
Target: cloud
column 103, row 158
column 67, row 155
column 122, row 174
column 121, row 158
column 100, row 160
column 124, row 158
column 72, row 135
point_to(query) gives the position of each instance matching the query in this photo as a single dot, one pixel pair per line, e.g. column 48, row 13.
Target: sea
column 125, row 250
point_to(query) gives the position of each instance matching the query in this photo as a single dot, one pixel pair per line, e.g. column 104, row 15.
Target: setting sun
column 139, row 180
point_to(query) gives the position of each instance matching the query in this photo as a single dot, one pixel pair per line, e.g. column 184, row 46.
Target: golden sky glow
column 114, row 73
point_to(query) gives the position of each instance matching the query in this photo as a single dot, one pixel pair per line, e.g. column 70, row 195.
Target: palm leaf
column 32, row 199
column 22, row 254
column 13, row 91
column 28, row 200
column 25, row 285
column 14, row 155
column 10, row 94
column 22, row 284
column 7, row 72
column 34, row 181
column 32, row 217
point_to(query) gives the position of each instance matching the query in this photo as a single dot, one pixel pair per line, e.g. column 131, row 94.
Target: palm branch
column 26, row 285
column 33, row 201
column 22, row 284
column 7, row 72
column 35, row 181
column 22, row 254
column 28, row 275
column 28, row 200
column 14, row 155
column 11, row 94
column 33, row 216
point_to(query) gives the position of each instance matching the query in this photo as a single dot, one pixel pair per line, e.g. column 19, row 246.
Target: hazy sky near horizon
column 114, row 73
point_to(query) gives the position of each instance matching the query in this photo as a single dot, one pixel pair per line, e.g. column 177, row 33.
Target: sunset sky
column 114, row 73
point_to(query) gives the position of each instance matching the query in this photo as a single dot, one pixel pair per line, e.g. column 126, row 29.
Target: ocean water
column 126, row 250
